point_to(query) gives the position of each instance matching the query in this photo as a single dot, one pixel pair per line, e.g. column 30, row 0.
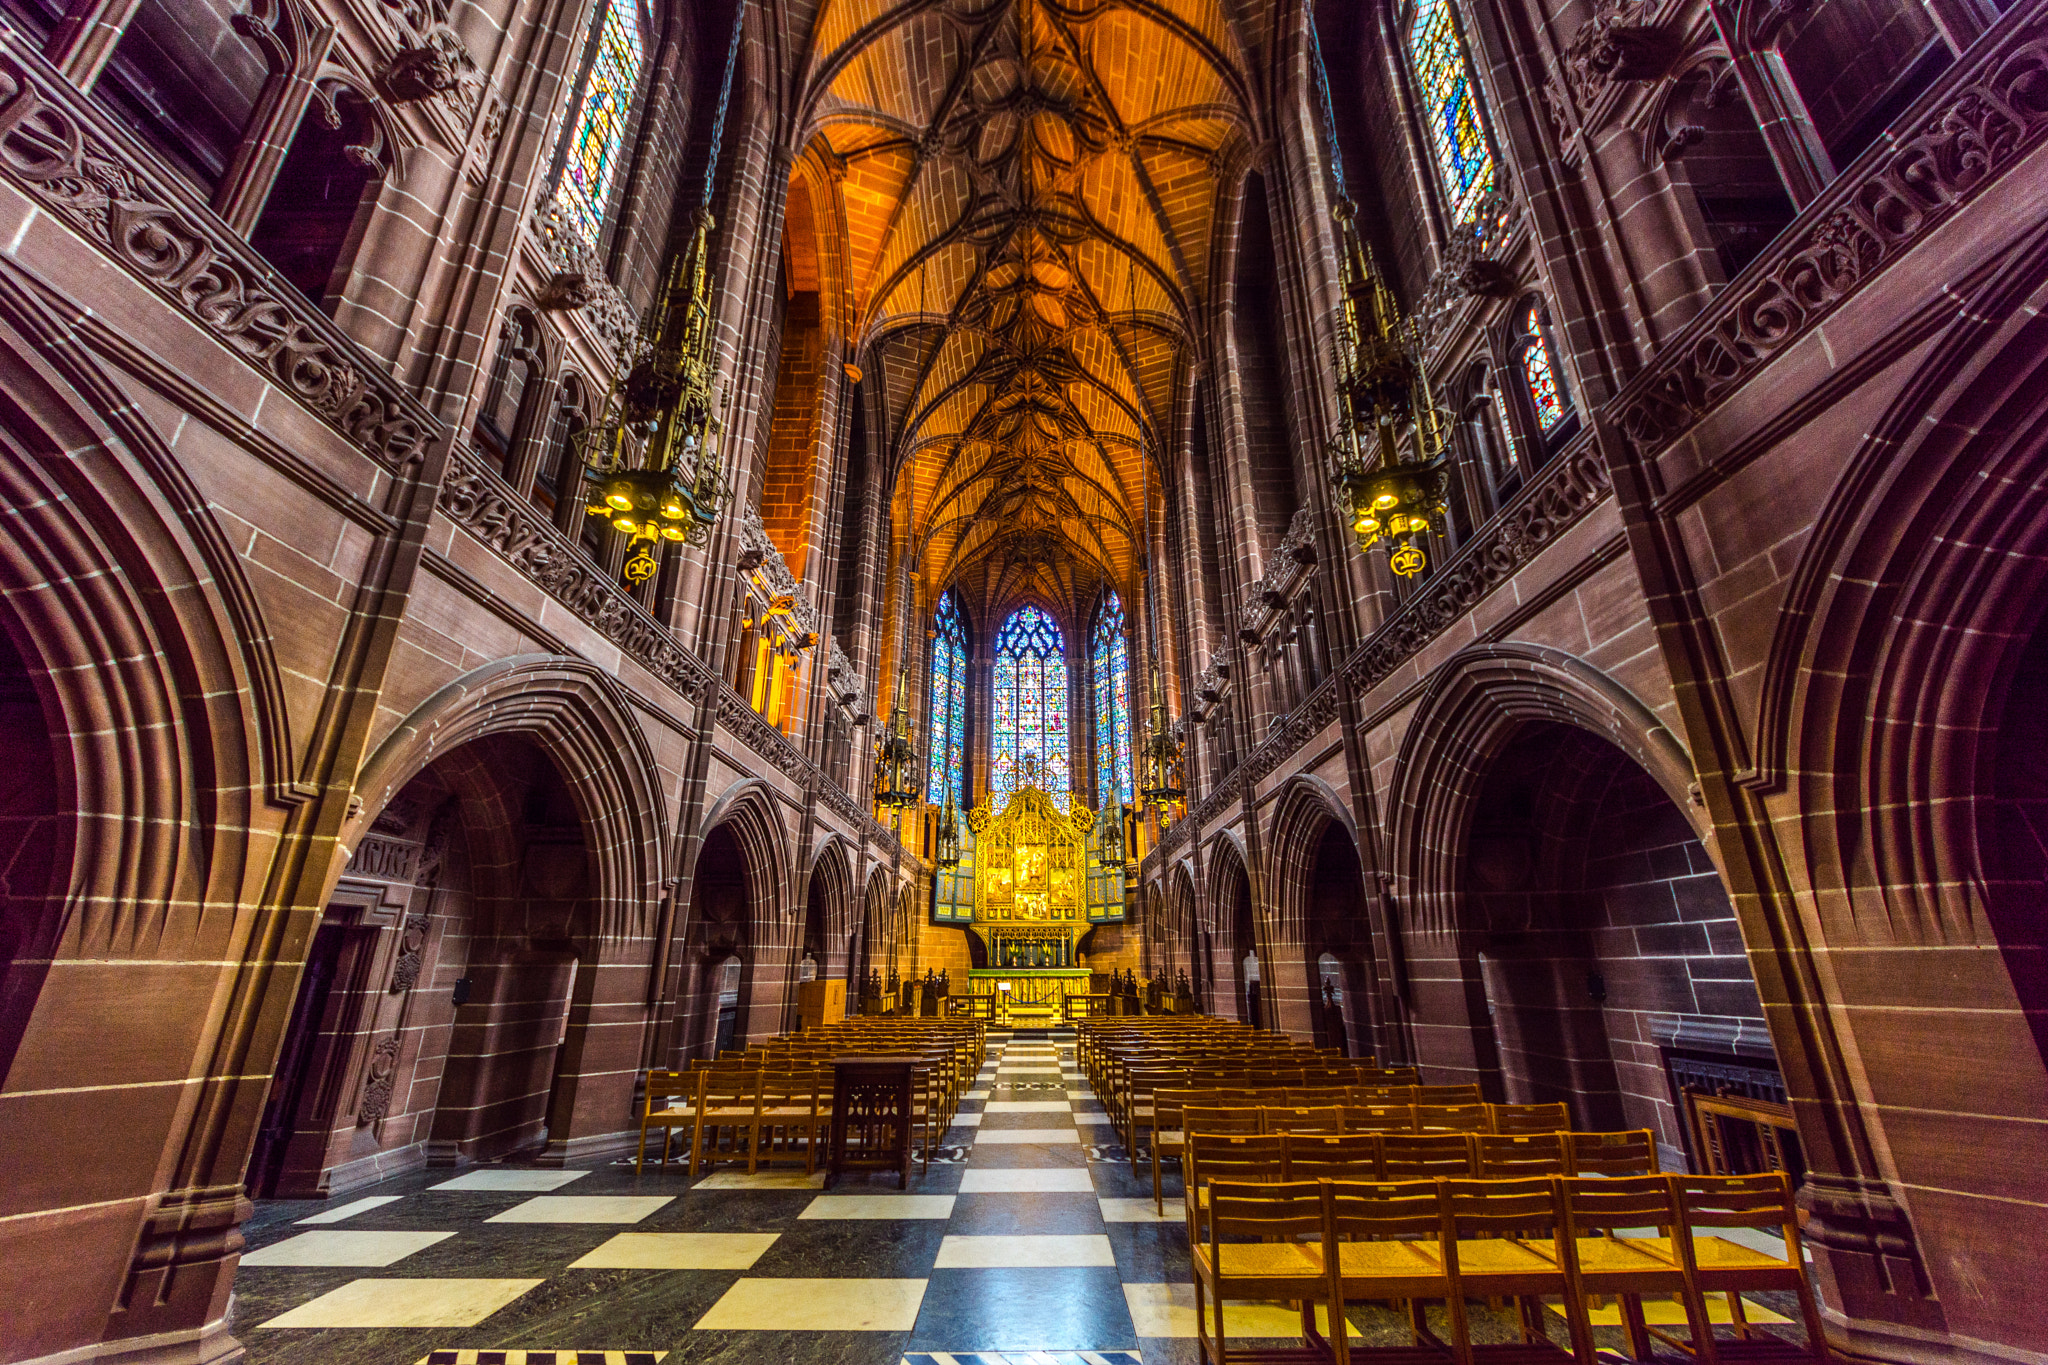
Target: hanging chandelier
column 949, row 833
column 1165, row 776
column 896, row 775
column 651, row 458
column 1388, row 456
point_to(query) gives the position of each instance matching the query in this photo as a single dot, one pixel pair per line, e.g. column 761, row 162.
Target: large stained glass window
column 1539, row 372
column 949, row 705
column 1030, row 704
column 1109, row 663
column 1450, row 107
column 597, row 128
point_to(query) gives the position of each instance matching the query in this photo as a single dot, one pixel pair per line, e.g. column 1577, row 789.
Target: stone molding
column 1288, row 566
column 849, row 689
column 1977, row 122
column 757, row 551
column 71, row 160
column 1563, row 492
column 483, row 504
column 579, row 284
column 475, row 498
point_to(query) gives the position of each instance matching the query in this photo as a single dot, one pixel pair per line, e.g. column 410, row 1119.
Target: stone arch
column 1472, row 705
column 828, row 908
column 169, row 752
column 1234, row 925
column 1323, row 914
column 579, row 717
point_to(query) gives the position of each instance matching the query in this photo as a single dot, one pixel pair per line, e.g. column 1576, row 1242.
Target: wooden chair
column 1446, row 1094
column 1424, row 1156
column 1599, row 1216
column 1379, row 1118
column 1321, row 1119
column 1453, row 1118
column 785, row 1111
column 1265, row 1241
column 1759, row 1203
column 725, row 1104
column 1629, row 1153
column 670, row 1105
column 1505, row 1156
column 1530, row 1118
column 1194, row 1118
column 1504, row 1239
column 1332, row 1156
column 1384, row 1241
column 1246, row 1158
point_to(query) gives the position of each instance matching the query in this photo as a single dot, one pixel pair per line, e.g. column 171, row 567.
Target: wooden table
column 871, row 1116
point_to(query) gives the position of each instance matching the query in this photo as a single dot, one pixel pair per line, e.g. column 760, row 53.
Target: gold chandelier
column 1388, row 456
column 1165, row 773
column 652, row 460
column 896, row 775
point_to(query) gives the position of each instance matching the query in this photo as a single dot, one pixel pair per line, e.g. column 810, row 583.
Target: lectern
column 871, row 1116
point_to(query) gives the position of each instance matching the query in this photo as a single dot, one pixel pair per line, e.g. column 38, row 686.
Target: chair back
column 665, row 1086
column 1630, row 1153
column 1265, row 1210
column 1202, row 1118
column 1453, row 1118
column 1379, row 1118
column 1408, row 1210
column 1319, row 1119
column 1234, row 1156
column 1423, row 1156
column 1531, row 1206
column 1505, row 1156
column 1762, row 1201
column 1592, row 1207
column 1530, row 1118
column 1333, row 1156
column 1447, row 1094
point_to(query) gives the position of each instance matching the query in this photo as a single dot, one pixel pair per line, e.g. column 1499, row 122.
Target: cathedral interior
column 947, row 682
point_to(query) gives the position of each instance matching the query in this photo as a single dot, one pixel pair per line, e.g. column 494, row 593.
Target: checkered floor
column 1037, row 1242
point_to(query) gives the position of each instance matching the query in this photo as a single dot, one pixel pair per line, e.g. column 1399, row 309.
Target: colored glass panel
column 1029, row 716
column 949, row 704
column 1541, row 374
column 1450, row 107
column 598, row 131
column 1110, row 667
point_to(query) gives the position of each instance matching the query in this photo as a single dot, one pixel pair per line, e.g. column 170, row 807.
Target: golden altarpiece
column 1032, row 880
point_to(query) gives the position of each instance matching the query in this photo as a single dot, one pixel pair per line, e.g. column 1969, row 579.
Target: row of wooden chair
column 1335, row 1242
column 1305, row 1111
column 738, row 1112
column 1132, row 1097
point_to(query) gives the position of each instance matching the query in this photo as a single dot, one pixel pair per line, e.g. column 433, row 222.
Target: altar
column 1029, row 996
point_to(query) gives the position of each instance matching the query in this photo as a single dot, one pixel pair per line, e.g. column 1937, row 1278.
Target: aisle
column 1029, row 1233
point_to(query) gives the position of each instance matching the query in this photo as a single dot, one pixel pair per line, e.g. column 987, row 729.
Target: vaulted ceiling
column 1030, row 191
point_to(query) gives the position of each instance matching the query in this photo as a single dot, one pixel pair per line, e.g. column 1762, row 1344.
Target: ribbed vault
column 1030, row 189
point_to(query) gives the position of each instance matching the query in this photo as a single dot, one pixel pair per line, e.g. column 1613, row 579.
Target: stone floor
column 1033, row 1235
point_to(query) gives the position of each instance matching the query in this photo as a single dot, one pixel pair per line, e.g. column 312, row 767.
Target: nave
column 1031, row 1235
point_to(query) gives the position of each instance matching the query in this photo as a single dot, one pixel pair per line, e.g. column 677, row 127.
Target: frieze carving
column 478, row 500
column 387, row 859
column 63, row 154
column 1982, row 121
column 610, row 315
column 378, row 1083
column 412, row 952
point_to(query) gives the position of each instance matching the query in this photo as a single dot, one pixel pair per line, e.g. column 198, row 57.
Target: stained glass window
column 1540, row 373
column 597, row 129
column 1450, row 107
column 949, row 705
column 1030, row 704
column 1110, row 667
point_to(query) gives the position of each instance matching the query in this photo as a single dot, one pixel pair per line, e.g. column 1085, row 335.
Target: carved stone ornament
column 565, row 291
column 377, row 1084
column 62, row 153
column 437, row 65
column 606, row 309
column 412, row 951
column 1991, row 116
column 1485, row 279
column 1611, row 47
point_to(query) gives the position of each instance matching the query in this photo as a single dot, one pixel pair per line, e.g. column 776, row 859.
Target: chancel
column 942, row 682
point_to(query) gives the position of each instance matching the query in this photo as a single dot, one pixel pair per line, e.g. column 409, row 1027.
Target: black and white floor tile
column 1038, row 1245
